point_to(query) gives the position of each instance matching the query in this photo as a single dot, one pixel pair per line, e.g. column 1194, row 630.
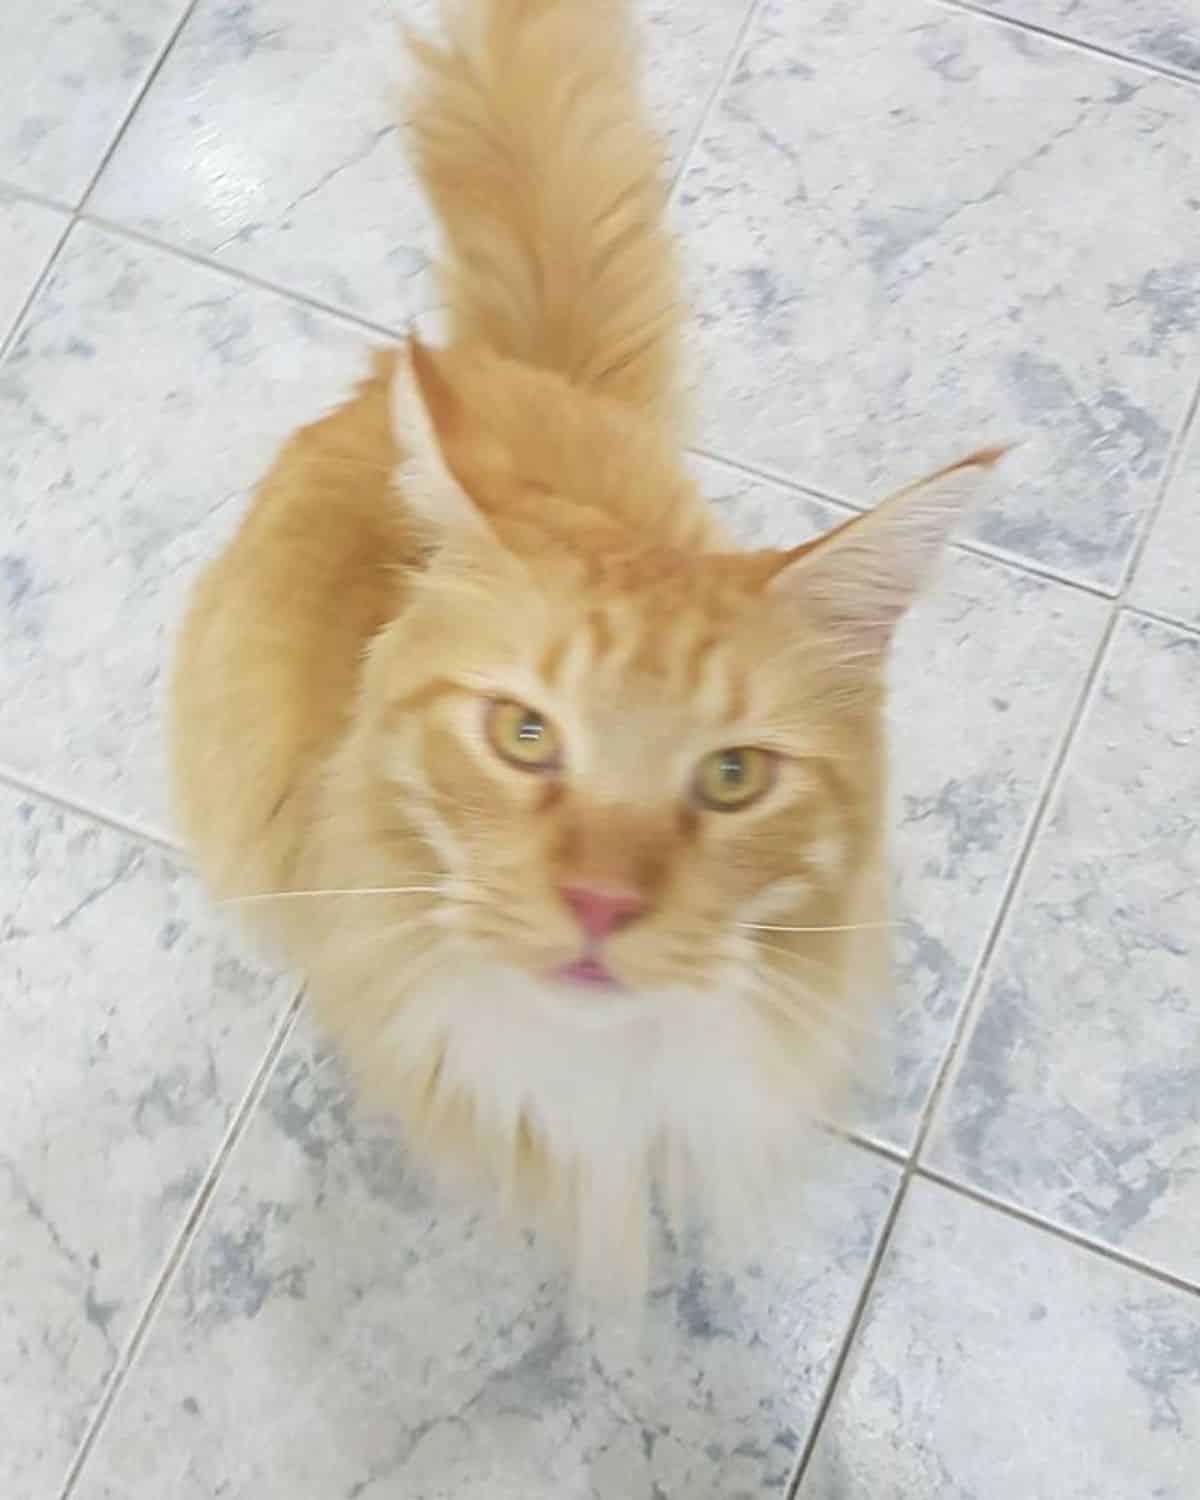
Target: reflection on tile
column 127, row 1036
column 140, row 402
column 1079, row 1095
column 269, row 140
column 332, row 1334
column 69, row 72
column 1168, row 578
column 1166, row 32
column 888, row 270
column 996, row 1361
column 28, row 234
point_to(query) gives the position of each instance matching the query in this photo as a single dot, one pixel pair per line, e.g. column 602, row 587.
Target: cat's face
column 634, row 760
column 621, row 764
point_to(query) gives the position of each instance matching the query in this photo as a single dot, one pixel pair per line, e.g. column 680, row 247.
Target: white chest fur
column 614, row 1083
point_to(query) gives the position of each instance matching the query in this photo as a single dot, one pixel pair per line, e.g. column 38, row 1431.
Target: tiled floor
column 913, row 226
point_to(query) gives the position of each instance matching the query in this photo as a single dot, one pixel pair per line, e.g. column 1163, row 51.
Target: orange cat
column 571, row 811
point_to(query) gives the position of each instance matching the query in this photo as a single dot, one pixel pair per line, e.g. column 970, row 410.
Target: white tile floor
column 912, row 226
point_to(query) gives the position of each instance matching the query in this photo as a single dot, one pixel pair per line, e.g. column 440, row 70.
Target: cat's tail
column 531, row 139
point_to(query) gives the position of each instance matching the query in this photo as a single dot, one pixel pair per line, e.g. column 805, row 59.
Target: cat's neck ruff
column 609, row 1081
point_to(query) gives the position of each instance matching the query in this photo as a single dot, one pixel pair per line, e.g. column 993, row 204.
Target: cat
column 571, row 810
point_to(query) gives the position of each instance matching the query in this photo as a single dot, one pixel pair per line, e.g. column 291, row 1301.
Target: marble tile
column 1168, row 576
column 889, row 270
column 759, row 513
column 70, row 71
column 1163, row 32
column 128, row 1034
column 996, row 1361
column 1079, row 1093
column 269, row 141
column 986, row 672
column 141, row 401
column 332, row 1334
column 28, row 233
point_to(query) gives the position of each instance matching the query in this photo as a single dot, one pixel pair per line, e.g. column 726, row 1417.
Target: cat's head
column 635, row 759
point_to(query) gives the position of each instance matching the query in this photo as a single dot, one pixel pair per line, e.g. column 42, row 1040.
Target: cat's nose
column 603, row 910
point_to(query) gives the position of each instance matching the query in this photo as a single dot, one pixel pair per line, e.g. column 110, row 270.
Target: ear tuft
column 427, row 414
column 863, row 576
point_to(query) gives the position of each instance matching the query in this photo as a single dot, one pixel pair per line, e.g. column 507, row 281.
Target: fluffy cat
column 571, row 810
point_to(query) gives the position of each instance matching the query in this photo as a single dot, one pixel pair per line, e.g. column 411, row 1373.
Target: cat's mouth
column 588, row 972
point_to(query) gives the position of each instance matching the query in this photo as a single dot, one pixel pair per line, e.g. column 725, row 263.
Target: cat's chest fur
column 610, row 1084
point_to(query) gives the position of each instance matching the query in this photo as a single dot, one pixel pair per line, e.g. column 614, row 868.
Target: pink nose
column 603, row 910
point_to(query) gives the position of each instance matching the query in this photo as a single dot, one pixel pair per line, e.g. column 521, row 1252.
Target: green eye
column 521, row 736
column 731, row 779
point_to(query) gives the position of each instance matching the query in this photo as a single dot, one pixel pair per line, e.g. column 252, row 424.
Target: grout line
column 183, row 1242
column 990, row 553
column 1060, row 1231
column 31, row 195
column 1169, row 622
column 910, row 1165
column 1170, row 469
column 879, row 1252
column 17, row 781
column 975, row 988
column 1058, row 762
column 260, row 283
column 9, row 339
column 723, row 76
column 771, row 476
column 970, row 545
column 966, row 1012
column 894, row 1154
column 857, row 1313
column 360, row 323
column 1076, row 43
column 147, row 84
column 83, row 214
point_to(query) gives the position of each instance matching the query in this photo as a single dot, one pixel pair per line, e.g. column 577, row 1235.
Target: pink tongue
column 587, row 971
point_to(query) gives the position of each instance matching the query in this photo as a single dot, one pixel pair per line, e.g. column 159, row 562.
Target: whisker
column 840, row 1028
column 809, row 1026
column 761, row 946
column 821, row 1023
column 835, row 927
column 377, row 890
column 358, row 1042
column 840, row 1016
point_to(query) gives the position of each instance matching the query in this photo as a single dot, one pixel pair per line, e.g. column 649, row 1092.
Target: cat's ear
column 862, row 577
column 428, row 417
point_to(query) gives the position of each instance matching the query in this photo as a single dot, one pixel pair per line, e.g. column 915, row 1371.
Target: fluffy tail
column 531, row 139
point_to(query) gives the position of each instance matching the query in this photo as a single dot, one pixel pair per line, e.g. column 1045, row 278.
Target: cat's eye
column 728, row 780
column 521, row 736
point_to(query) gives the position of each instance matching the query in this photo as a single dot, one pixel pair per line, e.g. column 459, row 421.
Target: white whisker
column 377, row 890
column 813, row 1027
column 835, row 927
column 822, row 1023
column 807, row 959
column 837, row 1015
